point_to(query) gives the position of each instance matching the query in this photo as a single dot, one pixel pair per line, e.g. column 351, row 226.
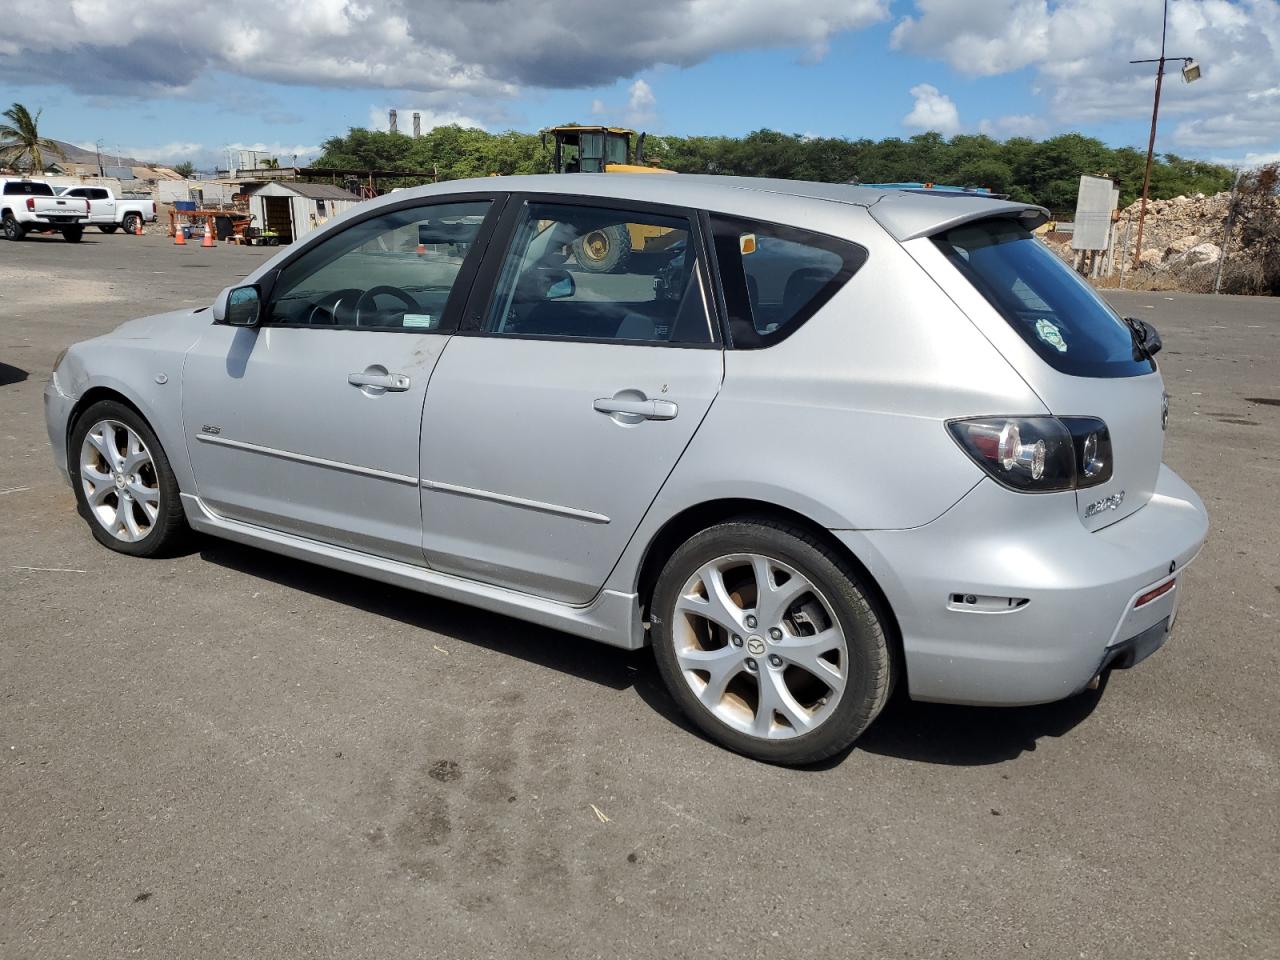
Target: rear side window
column 776, row 277
column 27, row 188
column 1050, row 306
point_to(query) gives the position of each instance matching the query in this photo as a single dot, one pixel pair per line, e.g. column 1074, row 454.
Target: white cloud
column 380, row 119
column 480, row 50
column 1013, row 125
column 933, row 110
column 1080, row 52
column 598, row 107
column 642, row 106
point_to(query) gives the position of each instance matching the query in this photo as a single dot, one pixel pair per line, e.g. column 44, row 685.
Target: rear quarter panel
column 844, row 421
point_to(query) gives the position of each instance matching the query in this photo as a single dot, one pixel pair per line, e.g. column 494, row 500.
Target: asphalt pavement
column 231, row 754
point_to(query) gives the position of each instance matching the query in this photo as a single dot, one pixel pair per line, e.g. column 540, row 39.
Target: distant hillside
column 80, row 155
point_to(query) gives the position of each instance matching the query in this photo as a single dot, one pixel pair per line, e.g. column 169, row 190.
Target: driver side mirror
column 558, row 284
column 244, row 306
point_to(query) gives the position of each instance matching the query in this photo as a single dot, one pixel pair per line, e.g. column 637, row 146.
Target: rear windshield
column 1050, row 306
column 28, row 188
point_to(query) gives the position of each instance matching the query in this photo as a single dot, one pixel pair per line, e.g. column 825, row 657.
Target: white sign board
column 1098, row 196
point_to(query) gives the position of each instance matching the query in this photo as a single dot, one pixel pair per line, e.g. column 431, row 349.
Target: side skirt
column 612, row 617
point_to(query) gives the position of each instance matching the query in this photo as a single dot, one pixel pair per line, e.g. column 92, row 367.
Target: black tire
column 868, row 667
column 13, row 230
column 108, row 228
column 603, row 251
column 131, row 223
column 170, row 526
column 72, row 234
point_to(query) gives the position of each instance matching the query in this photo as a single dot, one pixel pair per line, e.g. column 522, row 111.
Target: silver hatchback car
column 807, row 440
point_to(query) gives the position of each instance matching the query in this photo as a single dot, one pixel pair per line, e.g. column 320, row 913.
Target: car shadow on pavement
column 907, row 730
column 971, row 736
column 608, row 666
column 11, row 374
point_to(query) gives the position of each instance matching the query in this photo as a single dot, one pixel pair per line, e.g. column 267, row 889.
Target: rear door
column 310, row 423
column 581, row 373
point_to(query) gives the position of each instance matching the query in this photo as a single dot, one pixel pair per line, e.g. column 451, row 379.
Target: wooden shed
column 295, row 209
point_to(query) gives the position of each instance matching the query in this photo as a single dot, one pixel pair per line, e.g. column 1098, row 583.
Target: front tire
column 72, row 234
column 769, row 641
column 124, row 485
column 13, row 230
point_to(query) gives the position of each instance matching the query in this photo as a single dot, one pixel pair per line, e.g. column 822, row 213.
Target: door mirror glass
column 559, row 284
column 243, row 306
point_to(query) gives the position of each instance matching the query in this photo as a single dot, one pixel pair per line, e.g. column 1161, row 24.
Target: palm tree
column 20, row 138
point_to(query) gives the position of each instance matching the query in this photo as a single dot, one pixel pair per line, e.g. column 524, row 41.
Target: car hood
column 163, row 325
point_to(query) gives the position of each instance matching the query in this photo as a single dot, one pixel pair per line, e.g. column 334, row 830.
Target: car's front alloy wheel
column 123, row 481
column 769, row 642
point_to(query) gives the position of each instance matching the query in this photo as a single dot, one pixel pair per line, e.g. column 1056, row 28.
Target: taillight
column 88, row 205
column 31, row 204
column 1038, row 454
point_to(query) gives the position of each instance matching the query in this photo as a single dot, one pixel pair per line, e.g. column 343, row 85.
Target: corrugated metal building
column 295, row 209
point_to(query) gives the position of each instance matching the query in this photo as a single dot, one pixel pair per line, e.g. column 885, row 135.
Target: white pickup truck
column 107, row 211
column 30, row 206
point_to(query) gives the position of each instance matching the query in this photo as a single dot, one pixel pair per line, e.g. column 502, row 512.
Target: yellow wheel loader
column 606, row 150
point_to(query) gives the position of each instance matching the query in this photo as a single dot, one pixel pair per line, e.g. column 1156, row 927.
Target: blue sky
column 285, row 77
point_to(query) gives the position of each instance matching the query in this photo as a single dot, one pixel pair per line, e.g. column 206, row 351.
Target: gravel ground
column 229, row 754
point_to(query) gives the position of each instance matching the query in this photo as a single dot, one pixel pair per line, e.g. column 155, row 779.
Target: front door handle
column 391, row 382
column 627, row 410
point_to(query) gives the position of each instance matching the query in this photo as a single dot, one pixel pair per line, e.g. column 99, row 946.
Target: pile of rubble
column 1182, row 243
column 1179, row 233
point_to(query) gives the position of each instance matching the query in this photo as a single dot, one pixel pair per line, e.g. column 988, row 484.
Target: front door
column 552, row 423
column 309, row 424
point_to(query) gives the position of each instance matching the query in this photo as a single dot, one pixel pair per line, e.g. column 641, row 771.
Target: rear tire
column 124, row 486
column 13, row 230
column 789, row 673
column 72, row 234
column 108, row 228
column 132, row 223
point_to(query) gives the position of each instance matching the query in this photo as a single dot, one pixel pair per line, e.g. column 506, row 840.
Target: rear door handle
column 633, row 411
column 391, row 382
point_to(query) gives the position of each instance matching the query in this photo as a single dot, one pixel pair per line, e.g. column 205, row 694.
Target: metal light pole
column 1190, row 73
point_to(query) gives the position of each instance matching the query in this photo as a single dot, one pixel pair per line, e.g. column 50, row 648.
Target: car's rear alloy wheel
column 769, row 643
column 123, row 481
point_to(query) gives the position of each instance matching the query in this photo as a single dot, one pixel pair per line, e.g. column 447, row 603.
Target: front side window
column 395, row 271
column 776, row 277
column 1049, row 305
column 598, row 274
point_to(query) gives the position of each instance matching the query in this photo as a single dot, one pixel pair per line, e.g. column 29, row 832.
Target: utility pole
column 98, row 150
column 1226, row 231
column 1190, row 73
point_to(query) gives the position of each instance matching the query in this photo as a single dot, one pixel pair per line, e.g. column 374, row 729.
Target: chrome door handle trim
column 391, row 382
column 647, row 409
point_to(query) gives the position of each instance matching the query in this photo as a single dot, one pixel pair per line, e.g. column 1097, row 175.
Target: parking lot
column 230, row 754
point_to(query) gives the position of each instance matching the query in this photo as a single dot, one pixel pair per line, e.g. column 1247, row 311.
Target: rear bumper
column 1081, row 590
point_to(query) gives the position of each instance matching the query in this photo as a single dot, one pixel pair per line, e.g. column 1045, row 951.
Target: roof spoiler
column 909, row 215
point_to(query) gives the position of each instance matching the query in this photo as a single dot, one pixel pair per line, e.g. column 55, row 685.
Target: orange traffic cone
column 208, row 240
column 140, row 232
column 422, row 250
column 179, row 235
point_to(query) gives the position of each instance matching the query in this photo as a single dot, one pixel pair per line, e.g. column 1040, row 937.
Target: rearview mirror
column 243, row 306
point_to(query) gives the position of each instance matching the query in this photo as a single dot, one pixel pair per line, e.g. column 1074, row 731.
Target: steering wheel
column 368, row 299
column 324, row 312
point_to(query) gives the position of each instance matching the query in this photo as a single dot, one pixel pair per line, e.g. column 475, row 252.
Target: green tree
column 20, row 139
column 184, row 169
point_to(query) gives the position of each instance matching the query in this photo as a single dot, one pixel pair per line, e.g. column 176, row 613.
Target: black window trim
column 484, row 287
column 840, row 246
column 458, row 293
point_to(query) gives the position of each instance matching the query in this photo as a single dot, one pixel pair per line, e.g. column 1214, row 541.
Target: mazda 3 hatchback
column 808, row 441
